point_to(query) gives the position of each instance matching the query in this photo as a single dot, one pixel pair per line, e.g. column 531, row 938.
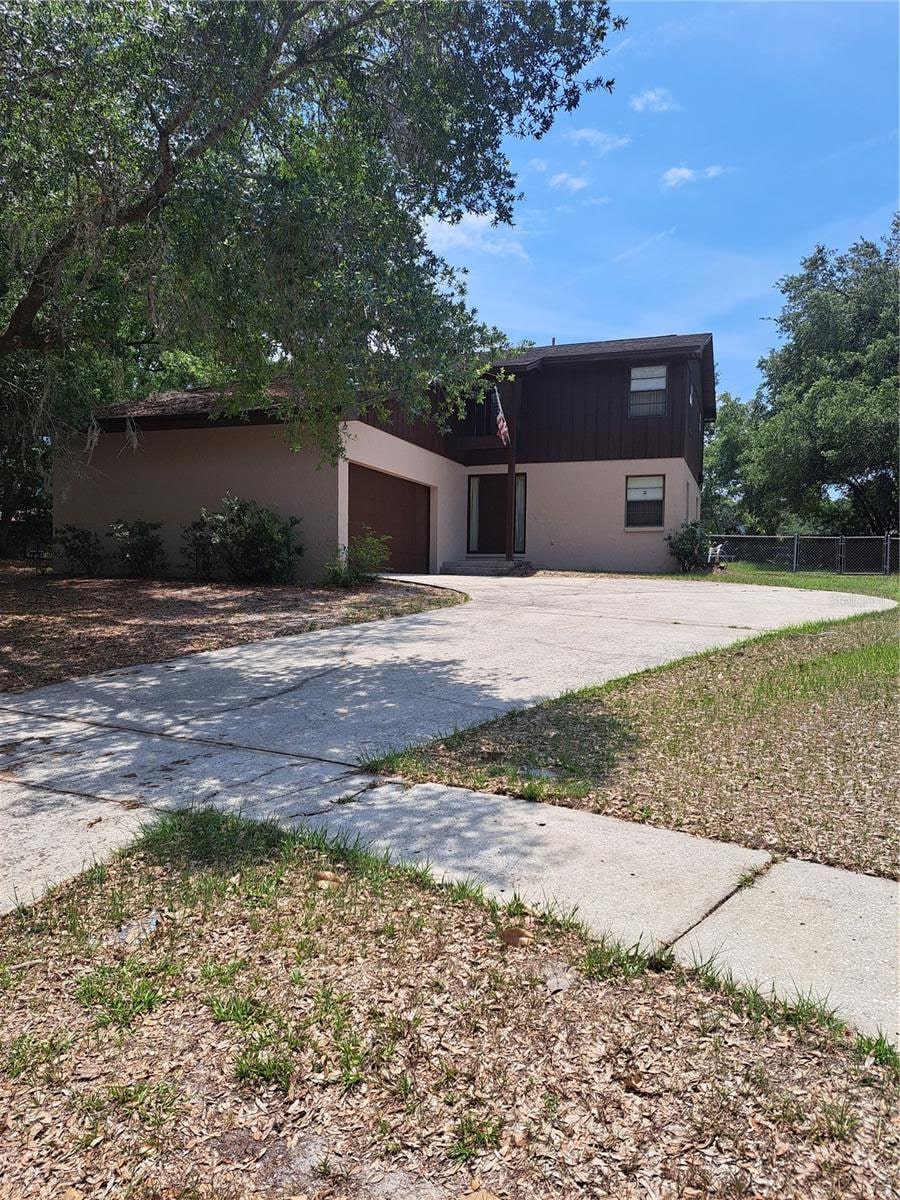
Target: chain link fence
column 866, row 555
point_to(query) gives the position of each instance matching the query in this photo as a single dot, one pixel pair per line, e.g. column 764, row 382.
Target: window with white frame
column 647, row 397
column 645, row 498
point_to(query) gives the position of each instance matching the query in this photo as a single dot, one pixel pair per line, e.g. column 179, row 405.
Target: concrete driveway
column 277, row 729
column 344, row 694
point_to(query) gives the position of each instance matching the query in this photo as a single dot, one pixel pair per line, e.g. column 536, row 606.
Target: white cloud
column 537, row 164
column 654, row 100
column 598, row 140
column 676, row 176
column 574, row 183
column 644, row 245
column 593, row 201
column 475, row 231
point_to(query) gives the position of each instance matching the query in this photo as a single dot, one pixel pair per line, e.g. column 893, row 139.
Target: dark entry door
column 487, row 514
column 491, row 514
column 397, row 507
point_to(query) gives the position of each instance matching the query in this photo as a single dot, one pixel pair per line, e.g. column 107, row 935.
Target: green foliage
column 24, row 494
column 830, row 391
column 816, row 451
column 728, row 504
column 139, row 547
column 251, row 543
column 198, row 547
column 367, row 555
column 232, row 190
column 81, row 549
column 689, row 546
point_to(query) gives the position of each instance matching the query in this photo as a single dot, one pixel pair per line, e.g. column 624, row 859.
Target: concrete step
column 487, row 565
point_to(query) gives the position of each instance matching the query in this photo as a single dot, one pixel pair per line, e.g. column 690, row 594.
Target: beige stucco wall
column 171, row 474
column 382, row 451
column 575, row 514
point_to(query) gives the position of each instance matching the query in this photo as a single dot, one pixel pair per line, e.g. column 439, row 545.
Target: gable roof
column 671, row 343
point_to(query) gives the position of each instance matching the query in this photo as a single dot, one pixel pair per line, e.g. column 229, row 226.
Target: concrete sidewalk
column 275, row 728
column 799, row 928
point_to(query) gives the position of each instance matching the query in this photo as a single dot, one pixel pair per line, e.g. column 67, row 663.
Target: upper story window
column 648, row 392
column 645, row 498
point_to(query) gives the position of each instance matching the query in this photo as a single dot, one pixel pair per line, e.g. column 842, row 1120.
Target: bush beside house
column 242, row 541
column 689, row 546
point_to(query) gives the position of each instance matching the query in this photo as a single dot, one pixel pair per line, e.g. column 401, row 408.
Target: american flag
column 502, row 427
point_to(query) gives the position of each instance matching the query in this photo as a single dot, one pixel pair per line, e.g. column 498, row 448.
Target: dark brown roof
column 191, row 402
column 203, row 402
column 672, row 343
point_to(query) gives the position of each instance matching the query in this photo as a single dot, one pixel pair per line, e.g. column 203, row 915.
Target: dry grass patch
column 53, row 628
column 787, row 742
column 378, row 1037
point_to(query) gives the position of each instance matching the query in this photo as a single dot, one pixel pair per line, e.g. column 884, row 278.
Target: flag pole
column 512, row 419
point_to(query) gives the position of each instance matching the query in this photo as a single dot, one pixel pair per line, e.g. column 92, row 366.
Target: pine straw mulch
column 54, row 628
column 392, row 1045
column 788, row 743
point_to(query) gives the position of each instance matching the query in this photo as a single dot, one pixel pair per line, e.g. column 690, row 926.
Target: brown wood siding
column 420, row 432
column 570, row 413
column 693, row 432
column 580, row 413
column 397, row 507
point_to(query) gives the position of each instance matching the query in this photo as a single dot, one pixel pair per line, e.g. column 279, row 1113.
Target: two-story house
column 605, row 455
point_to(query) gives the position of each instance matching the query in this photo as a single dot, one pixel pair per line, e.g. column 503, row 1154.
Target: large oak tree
column 221, row 190
column 828, row 424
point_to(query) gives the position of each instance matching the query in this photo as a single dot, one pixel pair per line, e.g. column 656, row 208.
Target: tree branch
column 19, row 333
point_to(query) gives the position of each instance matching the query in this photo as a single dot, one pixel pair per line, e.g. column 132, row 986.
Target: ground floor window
column 645, row 497
column 487, row 514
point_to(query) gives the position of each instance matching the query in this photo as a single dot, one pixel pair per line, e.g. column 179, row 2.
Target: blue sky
column 738, row 136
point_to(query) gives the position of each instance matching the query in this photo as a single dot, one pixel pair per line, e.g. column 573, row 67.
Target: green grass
column 472, row 1135
column 265, row 1062
column 439, row 1051
column 736, row 743
column 119, row 995
column 153, row 1104
column 887, row 586
column 878, row 1050
column 24, row 1054
column 238, row 1010
column 827, row 581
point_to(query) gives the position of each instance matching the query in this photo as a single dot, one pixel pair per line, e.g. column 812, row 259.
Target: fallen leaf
column 516, row 935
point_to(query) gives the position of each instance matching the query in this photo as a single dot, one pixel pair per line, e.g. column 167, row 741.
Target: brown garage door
column 396, row 507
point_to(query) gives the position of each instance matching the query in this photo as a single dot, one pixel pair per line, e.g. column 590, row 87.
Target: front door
column 487, row 514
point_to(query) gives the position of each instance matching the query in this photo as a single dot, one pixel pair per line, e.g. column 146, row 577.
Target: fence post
column 886, row 555
column 841, row 555
column 796, row 550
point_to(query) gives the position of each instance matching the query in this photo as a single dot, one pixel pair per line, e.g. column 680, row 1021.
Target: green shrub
column 366, row 555
column 252, row 543
column 140, row 548
column 81, row 549
column 689, row 545
column 198, row 546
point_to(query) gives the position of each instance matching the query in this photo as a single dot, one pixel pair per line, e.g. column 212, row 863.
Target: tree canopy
column 225, row 191
column 818, row 446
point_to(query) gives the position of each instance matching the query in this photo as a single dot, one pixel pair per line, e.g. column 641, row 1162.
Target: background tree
column 725, row 505
column 828, row 431
column 246, row 183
